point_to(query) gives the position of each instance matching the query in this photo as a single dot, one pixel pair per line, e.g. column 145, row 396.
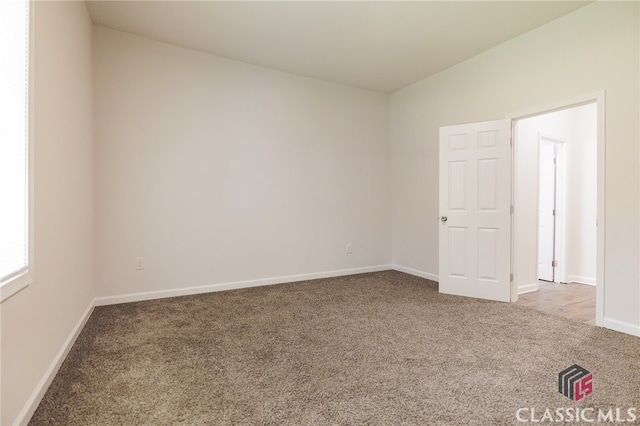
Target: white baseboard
column 417, row 273
column 623, row 327
column 581, row 280
column 186, row 291
column 34, row 400
column 528, row 288
column 38, row 393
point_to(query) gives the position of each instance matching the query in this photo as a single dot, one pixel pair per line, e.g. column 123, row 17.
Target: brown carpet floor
column 382, row 348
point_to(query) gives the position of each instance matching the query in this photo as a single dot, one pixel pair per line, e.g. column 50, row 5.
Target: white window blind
column 14, row 94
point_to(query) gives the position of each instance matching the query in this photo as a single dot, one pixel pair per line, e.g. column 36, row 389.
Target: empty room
column 319, row 212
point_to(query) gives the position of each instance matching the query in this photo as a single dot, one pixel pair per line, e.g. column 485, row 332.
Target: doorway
column 557, row 172
column 551, row 207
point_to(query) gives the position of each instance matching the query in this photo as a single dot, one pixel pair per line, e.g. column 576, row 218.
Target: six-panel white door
column 546, row 207
column 475, row 210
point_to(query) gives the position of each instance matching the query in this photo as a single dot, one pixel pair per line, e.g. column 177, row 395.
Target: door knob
column 443, row 219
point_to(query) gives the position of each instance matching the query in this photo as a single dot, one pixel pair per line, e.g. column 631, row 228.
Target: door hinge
column 511, row 277
column 555, row 212
column 555, row 161
column 554, row 263
column 511, row 209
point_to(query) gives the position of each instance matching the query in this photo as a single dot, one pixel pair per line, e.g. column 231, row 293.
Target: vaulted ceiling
column 377, row 45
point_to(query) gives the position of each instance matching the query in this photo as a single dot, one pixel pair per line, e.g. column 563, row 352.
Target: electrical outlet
column 348, row 249
column 139, row 263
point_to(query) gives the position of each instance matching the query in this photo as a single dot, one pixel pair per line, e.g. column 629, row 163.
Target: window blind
column 14, row 94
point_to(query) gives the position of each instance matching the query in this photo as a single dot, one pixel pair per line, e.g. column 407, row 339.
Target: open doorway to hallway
column 573, row 301
column 555, row 193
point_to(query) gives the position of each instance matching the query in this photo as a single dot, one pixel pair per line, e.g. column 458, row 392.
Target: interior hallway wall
column 582, row 196
column 593, row 49
column 525, row 219
column 578, row 127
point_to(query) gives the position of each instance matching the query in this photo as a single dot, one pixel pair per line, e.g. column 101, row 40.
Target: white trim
column 601, row 237
column 31, row 188
column 513, row 276
column 559, row 106
column 623, row 327
column 160, row 294
column 14, row 285
column 561, row 220
column 528, row 288
column 38, row 393
column 417, row 273
column 581, row 280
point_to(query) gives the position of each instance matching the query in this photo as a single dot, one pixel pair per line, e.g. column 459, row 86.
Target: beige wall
column 595, row 48
column 217, row 171
column 37, row 321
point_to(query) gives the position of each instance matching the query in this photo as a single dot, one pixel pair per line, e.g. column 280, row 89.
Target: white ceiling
column 377, row 45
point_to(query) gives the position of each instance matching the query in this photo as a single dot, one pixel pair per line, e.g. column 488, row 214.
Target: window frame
column 19, row 282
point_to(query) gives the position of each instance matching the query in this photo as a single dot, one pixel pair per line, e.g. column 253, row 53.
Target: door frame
column 599, row 99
